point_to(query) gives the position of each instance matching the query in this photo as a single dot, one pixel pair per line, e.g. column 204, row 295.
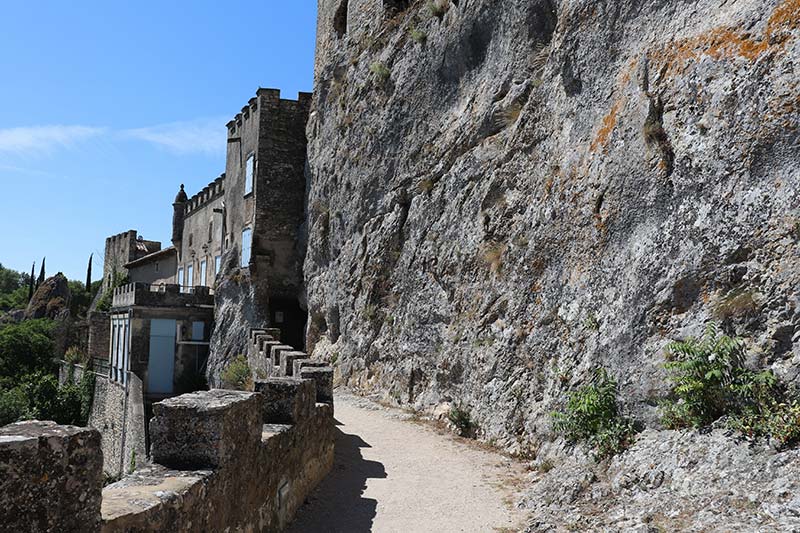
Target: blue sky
column 106, row 107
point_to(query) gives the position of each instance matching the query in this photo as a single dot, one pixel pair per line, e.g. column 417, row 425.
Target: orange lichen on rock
column 727, row 42
column 609, row 123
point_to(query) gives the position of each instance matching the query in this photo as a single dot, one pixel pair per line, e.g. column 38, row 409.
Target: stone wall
column 118, row 413
column 222, row 461
column 203, row 232
column 50, row 478
column 99, row 335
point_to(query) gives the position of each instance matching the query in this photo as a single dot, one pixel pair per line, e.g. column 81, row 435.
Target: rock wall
column 505, row 195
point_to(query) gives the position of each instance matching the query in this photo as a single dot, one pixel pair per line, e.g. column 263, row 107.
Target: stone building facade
column 159, row 326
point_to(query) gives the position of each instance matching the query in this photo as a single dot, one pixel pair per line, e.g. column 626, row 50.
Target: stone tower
column 178, row 214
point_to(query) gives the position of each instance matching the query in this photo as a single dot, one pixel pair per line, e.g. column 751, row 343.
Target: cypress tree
column 31, row 281
column 41, row 274
column 89, row 276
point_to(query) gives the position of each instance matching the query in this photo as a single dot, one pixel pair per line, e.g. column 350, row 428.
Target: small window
column 198, row 331
column 217, row 264
column 249, row 172
column 191, row 239
column 210, row 231
column 180, row 276
column 202, row 280
column 247, row 243
column 190, row 276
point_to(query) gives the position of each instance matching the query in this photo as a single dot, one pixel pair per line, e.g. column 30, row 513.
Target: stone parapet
column 208, row 429
column 323, row 381
column 286, row 400
column 50, row 478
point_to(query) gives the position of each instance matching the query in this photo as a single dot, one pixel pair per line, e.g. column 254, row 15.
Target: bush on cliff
column 709, row 381
column 237, row 375
column 593, row 416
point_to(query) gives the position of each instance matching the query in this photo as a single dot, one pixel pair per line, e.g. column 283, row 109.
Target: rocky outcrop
column 670, row 481
column 506, row 195
column 235, row 314
column 50, row 300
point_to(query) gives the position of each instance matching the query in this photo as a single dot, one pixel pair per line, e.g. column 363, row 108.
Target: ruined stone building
column 155, row 337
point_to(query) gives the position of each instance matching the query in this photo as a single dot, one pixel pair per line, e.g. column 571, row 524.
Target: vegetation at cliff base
column 593, row 416
column 710, row 381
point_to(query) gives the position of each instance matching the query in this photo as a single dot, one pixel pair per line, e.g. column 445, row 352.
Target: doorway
column 287, row 315
column 161, row 361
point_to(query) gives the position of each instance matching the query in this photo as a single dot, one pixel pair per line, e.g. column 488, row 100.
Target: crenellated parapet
column 209, row 193
column 222, row 461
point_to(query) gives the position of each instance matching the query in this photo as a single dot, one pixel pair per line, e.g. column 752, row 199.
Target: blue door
column 161, row 364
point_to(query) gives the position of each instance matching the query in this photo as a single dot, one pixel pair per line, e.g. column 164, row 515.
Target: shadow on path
column 337, row 505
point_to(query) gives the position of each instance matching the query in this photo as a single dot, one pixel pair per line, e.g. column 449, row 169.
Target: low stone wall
column 50, row 478
column 221, row 462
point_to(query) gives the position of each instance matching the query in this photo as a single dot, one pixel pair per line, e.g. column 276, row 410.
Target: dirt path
column 394, row 475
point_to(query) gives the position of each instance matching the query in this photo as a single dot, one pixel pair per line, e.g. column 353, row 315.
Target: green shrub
column 237, row 375
column 592, row 415
column 462, row 420
column 438, row 8
column 703, row 373
column 26, row 348
column 418, row 35
column 381, row 71
column 709, row 381
column 104, row 304
column 13, row 405
column 76, row 356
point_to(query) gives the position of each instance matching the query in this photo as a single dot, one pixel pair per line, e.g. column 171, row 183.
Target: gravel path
column 394, row 475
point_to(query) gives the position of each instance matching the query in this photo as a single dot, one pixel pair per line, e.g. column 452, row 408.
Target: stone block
column 260, row 338
column 51, row 477
column 206, row 429
column 288, row 359
column 275, row 352
column 286, row 400
column 275, row 333
column 323, row 379
column 303, row 363
column 266, row 345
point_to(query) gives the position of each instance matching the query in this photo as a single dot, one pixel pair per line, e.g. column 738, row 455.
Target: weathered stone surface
column 287, row 361
column 670, row 481
column 509, row 195
column 303, row 363
column 50, row 478
column 323, row 381
column 50, row 300
column 259, row 490
column 275, row 352
column 285, row 400
column 542, row 187
column 207, row 429
column 234, row 315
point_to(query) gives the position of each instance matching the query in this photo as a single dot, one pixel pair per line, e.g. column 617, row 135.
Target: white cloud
column 44, row 138
column 206, row 136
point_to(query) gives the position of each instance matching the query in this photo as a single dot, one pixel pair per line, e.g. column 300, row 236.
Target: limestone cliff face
column 507, row 194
